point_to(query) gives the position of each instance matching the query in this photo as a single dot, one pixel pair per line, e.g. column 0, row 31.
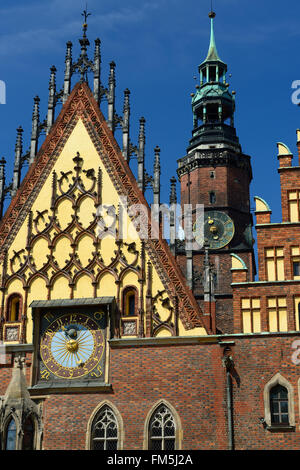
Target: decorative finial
column 211, row 13
column 85, row 14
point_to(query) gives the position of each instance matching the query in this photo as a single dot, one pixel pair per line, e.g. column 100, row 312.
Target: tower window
column 212, row 73
column 212, row 197
column 14, row 306
column 279, row 405
column 130, row 302
column 212, row 175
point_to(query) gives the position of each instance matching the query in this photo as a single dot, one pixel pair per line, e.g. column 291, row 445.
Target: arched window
column 105, row 433
column 279, row 405
column 28, row 437
column 129, row 302
column 162, row 430
column 14, row 306
column 11, row 435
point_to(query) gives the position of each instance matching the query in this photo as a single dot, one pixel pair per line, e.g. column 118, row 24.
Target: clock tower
column 216, row 173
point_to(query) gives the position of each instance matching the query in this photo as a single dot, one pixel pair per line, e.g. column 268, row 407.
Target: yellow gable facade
column 69, row 242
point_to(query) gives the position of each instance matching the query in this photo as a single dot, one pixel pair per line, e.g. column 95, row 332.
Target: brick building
column 115, row 339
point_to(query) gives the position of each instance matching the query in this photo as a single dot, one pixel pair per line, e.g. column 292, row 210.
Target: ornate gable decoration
column 82, row 105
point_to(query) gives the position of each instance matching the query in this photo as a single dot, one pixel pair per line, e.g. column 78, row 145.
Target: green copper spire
column 213, row 104
column 212, row 55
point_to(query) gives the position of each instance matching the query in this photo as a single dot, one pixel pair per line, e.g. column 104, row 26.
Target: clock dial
column 218, row 230
column 72, row 346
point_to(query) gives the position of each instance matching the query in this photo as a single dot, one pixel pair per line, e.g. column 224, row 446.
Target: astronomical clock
column 70, row 346
column 217, row 232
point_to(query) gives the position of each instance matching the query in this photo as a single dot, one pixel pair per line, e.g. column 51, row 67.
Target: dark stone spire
column 111, row 96
column 156, row 176
column 68, row 72
column 208, row 284
column 2, row 184
column 51, row 99
column 141, row 155
column 173, row 209
column 173, row 194
column 97, row 71
column 34, row 132
column 126, row 125
column 17, row 164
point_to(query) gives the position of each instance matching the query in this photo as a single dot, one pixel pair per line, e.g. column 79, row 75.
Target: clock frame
column 70, row 344
column 218, row 230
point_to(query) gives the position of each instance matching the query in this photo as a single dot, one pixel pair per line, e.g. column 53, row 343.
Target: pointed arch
column 58, row 275
column 178, row 433
column 104, row 405
column 278, row 379
column 12, row 417
column 129, row 270
column 11, row 434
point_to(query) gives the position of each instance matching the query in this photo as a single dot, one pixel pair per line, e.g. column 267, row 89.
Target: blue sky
column 157, row 46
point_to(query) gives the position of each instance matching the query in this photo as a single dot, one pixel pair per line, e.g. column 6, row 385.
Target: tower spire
column 213, row 104
column 212, row 50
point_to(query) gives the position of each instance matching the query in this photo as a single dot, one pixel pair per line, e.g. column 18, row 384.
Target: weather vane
column 85, row 14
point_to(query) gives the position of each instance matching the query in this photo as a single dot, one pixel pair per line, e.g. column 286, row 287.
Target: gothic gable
column 48, row 235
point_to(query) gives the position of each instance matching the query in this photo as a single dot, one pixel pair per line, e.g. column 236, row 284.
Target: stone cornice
column 212, row 158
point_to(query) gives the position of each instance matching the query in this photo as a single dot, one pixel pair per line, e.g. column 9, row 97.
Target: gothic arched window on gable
column 162, row 430
column 14, row 308
column 10, row 438
column 129, row 302
column 105, row 432
column 129, row 311
column 279, row 405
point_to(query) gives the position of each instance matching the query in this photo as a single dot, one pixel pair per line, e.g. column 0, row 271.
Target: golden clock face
column 72, row 347
column 217, row 232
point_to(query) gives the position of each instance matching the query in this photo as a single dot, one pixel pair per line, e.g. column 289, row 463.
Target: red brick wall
column 276, row 236
column 192, row 379
column 257, row 361
column 263, row 291
column 289, row 180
